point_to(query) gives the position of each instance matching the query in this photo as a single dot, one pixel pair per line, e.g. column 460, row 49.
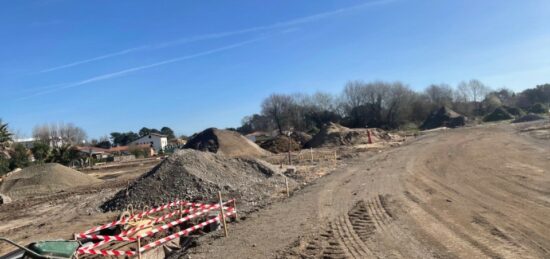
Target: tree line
column 387, row 105
column 57, row 143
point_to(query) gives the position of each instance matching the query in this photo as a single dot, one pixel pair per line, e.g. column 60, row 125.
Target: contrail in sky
column 139, row 68
column 294, row 22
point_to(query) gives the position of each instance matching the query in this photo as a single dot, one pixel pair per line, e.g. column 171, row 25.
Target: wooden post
column 139, row 248
column 287, row 189
column 222, row 214
column 235, row 209
column 335, row 157
column 311, row 153
column 181, row 208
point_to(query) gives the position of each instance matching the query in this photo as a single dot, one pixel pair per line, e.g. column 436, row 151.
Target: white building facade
column 157, row 141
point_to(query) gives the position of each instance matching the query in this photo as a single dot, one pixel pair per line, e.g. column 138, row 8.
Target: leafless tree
column 278, row 107
column 440, row 95
column 474, row 91
column 58, row 134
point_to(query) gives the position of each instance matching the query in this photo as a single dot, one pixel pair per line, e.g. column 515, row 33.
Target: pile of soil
column 333, row 134
column 528, row 117
column 43, row 179
column 514, row 110
column 280, row 144
column 198, row 176
column 443, row 117
column 300, row 137
column 229, row 143
column 498, row 114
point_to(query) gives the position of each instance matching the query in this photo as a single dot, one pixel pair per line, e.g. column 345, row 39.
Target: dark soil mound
column 280, row 144
column 198, row 176
column 498, row 114
column 43, row 179
column 514, row 111
column 443, row 117
column 528, row 117
column 300, row 137
column 229, row 143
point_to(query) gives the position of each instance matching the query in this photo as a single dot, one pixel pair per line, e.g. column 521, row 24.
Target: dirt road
column 465, row 193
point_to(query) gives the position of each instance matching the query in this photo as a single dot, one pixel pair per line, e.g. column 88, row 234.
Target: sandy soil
column 481, row 192
column 59, row 215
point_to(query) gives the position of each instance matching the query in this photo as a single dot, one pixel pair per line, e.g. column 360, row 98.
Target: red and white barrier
column 195, row 210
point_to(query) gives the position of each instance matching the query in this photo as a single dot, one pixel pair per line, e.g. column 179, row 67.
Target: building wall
column 158, row 143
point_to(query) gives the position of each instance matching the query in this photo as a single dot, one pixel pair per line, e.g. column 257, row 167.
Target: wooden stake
column 311, row 153
column 181, row 209
column 235, row 209
column 139, row 248
column 287, row 189
column 222, row 214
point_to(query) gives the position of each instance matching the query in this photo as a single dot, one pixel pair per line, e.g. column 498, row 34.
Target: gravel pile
column 528, row 117
column 498, row 114
column 198, row 176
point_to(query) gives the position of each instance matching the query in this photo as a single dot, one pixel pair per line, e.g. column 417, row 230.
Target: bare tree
column 278, row 108
column 474, row 91
column 58, row 134
column 440, row 95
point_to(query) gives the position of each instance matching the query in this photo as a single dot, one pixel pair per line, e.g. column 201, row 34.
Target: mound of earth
column 443, row 117
column 280, row 144
column 197, row 176
column 43, row 179
column 300, row 137
column 333, row 134
column 528, row 117
column 498, row 114
column 514, row 110
column 229, row 143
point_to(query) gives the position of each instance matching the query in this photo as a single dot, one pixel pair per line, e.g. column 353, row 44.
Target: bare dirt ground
column 59, row 215
column 481, row 192
column 464, row 193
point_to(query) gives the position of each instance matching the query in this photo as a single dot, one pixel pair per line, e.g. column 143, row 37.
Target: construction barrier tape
column 156, row 243
column 141, row 215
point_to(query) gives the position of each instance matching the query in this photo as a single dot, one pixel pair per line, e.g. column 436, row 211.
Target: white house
column 156, row 141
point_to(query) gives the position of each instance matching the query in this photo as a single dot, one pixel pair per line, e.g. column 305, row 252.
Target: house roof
column 126, row 148
column 94, row 150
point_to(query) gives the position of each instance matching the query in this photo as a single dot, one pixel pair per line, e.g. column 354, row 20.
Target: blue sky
column 121, row 65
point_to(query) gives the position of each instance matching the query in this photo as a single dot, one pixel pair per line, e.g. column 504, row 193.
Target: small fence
column 304, row 156
column 143, row 231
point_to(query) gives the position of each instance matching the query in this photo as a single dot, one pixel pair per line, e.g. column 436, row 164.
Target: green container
column 61, row 248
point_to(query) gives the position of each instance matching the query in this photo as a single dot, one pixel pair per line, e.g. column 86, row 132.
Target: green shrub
column 19, row 157
column 4, row 165
column 538, row 108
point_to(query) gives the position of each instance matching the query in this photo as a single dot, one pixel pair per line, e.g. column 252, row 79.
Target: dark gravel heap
column 197, row 176
column 443, row 117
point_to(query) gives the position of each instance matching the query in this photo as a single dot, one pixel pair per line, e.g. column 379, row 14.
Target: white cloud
column 139, row 68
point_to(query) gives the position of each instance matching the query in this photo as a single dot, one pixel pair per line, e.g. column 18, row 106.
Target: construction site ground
column 481, row 192
column 473, row 192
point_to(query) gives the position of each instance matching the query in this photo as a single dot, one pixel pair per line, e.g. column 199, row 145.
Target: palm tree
column 5, row 135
